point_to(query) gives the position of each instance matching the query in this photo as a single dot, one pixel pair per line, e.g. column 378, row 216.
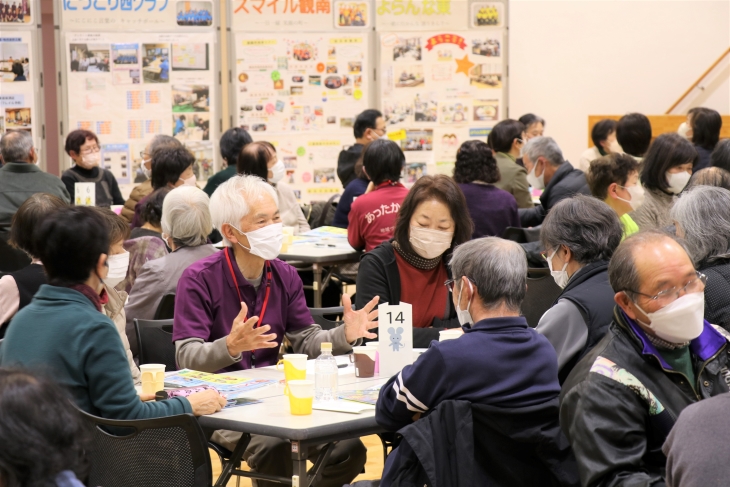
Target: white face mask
column 428, row 243
column 118, row 265
column 278, row 171
column 463, row 315
column 679, row 321
column 677, row 181
column 190, row 181
column 637, row 196
column 266, row 241
column 534, row 181
column 90, row 161
column 615, row 147
column 147, row 172
column 684, row 129
column 561, row 276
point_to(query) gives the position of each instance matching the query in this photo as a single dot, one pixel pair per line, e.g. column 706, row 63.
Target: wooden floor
column 373, row 467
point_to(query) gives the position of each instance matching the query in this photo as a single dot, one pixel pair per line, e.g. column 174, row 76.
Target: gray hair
column 584, row 224
column 622, row 272
column 544, row 147
column 230, row 202
column 703, row 213
column 16, row 146
column 186, row 217
column 497, row 267
column 162, row 141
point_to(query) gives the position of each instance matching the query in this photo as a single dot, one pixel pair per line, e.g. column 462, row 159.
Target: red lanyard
column 268, row 287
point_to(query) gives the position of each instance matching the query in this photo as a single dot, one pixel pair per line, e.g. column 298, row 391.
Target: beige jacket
column 654, row 211
column 513, row 180
column 138, row 192
column 291, row 212
column 114, row 309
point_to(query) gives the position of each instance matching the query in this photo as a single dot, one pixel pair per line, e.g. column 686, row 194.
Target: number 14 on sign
column 395, row 334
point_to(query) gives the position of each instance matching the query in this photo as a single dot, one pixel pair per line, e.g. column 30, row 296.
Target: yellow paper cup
column 295, row 367
column 153, row 378
column 301, row 395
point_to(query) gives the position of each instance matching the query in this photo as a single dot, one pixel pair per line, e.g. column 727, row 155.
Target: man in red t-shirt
column 372, row 217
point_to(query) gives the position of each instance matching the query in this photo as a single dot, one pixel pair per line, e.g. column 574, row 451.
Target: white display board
column 301, row 71
column 440, row 88
column 302, row 92
column 129, row 86
column 21, row 101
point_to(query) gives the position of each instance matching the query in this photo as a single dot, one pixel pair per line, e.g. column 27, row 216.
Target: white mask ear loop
column 241, row 233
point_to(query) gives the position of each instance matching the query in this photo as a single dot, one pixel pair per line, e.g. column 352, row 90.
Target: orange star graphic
column 464, row 65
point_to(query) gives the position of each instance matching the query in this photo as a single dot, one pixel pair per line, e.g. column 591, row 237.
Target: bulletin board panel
column 21, row 100
column 129, row 86
column 439, row 88
column 300, row 73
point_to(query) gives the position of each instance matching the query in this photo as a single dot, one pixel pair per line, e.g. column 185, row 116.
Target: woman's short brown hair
column 441, row 188
column 117, row 226
column 29, row 217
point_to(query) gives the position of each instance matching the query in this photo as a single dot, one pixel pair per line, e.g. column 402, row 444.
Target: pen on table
column 324, row 245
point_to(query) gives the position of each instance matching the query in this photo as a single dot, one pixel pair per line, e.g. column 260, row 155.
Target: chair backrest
column 328, row 318
column 154, row 338
column 11, row 259
column 515, row 234
column 166, row 308
column 532, row 234
column 540, row 296
column 161, row 452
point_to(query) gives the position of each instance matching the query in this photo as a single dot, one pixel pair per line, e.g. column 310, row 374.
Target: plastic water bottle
column 325, row 375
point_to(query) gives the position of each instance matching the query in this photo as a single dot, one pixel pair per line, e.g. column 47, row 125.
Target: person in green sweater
column 614, row 179
column 231, row 144
column 64, row 334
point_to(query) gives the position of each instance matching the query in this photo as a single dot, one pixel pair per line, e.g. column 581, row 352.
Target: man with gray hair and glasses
column 549, row 172
column 21, row 178
column 499, row 360
column 659, row 356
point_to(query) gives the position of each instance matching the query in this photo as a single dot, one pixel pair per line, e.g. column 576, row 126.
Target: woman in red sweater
column 411, row 267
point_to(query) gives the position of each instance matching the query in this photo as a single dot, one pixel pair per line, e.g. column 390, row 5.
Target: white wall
column 572, row 58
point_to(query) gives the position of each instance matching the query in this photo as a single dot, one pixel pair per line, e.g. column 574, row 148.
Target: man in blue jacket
column 486, row 365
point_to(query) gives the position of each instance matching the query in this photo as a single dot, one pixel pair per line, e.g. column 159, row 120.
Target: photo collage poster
column 439, row 89
column 302, row 92
column 127, row 88
column 17, row 90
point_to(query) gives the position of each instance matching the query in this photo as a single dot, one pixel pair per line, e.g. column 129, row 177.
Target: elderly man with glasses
column 659, row 356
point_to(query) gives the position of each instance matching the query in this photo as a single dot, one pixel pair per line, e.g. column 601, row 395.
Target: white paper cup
column 153, row 378
column 297, row 360
column 451, row 334
column 301, row 388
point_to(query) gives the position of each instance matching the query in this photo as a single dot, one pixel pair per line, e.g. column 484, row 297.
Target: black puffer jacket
column 565, row 183
column 621, row 400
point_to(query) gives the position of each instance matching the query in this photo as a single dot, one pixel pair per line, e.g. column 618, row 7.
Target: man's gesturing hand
column 244, row 337
column 357, row 323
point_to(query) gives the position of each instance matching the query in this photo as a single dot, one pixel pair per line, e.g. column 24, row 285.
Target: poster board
column 302, row 90
column 440, row 88
column 129, row 86
column 21, row 100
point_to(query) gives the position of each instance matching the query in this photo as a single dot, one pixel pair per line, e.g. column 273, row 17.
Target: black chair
column 328, row 318
column 516, row 234
column 163, row 452
column 166, row 308
column 154, row 339
column 11, row 259
column 541, row 294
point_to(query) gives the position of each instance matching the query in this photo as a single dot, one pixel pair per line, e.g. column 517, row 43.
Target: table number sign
column 395, row 335
column 85, row 194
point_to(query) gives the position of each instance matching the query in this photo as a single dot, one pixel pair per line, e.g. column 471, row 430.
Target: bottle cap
column 326, row 347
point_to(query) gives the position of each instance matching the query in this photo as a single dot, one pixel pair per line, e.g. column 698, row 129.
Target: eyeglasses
column 142, row 154
column 450, row 283
column 89, row 150
column 670, row 295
